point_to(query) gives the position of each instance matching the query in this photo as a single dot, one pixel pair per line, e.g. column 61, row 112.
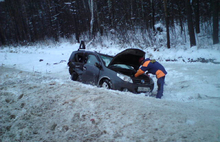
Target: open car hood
column 129, row 56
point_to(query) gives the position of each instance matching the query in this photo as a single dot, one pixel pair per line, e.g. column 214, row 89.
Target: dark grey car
column 112, row 72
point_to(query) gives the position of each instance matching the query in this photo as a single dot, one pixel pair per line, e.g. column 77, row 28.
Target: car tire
column 106, row 84
column 74, row 76
column 70, row 71
column 125, row 90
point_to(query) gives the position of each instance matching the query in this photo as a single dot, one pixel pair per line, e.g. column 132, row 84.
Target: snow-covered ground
column 39, row 102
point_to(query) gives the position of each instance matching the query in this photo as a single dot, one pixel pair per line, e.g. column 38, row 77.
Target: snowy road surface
column 50, row 107
column 39, row 102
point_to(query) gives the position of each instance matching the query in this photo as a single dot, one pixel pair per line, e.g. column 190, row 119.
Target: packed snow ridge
column 39, row 102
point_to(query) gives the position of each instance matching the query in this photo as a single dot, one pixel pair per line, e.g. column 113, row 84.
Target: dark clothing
column 153, row 67
column 160, row 84
column 157, row 69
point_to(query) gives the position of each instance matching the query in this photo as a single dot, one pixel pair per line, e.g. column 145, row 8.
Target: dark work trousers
column 160, row 84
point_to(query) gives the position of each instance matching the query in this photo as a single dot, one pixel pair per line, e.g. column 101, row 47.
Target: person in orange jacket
column 154, row 67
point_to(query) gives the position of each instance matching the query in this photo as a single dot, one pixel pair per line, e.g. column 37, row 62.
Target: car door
column 90, row 70
column 78, row 63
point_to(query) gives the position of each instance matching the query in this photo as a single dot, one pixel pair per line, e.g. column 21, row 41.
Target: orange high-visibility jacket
column 153, row 67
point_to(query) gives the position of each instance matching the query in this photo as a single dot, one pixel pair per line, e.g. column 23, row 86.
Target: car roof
column 129, row 56
column 92, row 52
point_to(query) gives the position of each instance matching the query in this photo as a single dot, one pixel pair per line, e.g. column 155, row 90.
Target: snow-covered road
column 39, row 102
column 51, row 107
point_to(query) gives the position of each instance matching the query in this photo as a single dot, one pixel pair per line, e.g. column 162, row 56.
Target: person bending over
column 154, row 67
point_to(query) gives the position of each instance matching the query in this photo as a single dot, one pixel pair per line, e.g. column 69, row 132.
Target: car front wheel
column 106, row 84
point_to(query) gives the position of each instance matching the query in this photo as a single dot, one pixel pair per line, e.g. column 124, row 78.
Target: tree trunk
column 190, row 24
column 92, row 16
column 153, row 14
column 197, row 14
column 172, row 15
column 180, row 17
column 167, row 24
column 215, row 21
column 111, row 13
column 2, row 37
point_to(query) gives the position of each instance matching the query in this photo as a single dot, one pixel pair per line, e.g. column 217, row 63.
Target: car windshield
column 106, row 59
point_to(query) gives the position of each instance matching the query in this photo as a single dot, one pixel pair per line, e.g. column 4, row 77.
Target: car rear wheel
column 106, row 84
column 74, row 76
column 125, row 90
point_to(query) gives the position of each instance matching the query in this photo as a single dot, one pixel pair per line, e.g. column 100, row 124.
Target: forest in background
column 139, row 22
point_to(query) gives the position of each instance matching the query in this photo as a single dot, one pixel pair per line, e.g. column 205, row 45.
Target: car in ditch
column 111, row 72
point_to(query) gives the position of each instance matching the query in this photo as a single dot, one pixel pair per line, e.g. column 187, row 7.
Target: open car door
column 91, row 72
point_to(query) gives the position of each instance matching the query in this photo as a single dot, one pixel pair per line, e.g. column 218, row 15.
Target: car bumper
column 134, row 88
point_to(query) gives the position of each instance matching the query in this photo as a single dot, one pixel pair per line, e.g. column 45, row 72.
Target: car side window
column 79, row 58
column 92, row 60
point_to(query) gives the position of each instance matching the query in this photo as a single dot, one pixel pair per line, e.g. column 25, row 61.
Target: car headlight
column 125, row 78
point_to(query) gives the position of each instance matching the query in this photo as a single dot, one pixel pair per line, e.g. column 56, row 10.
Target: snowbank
column 36, row 107
column 39, row 102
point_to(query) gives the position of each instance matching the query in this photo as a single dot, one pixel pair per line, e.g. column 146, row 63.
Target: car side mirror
column 98, row 65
